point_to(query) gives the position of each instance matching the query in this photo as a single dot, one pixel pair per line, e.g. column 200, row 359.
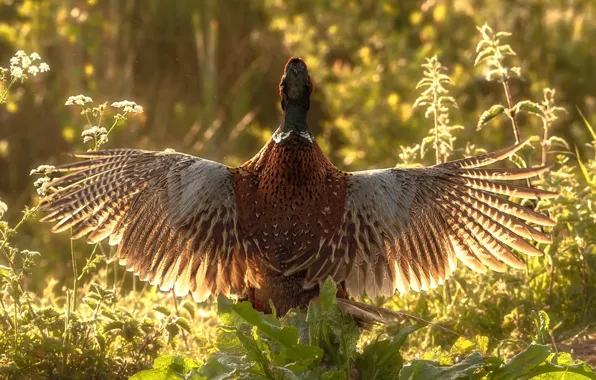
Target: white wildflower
column 16, row 72
column 103, row 139
column 14, row 61
column 42, row 185
column 3, row 208
column 95, row 130
column 79, row 100
column 43, row 67
column 20, row 54
column 128, row 106
column 30, row 253
column 99, row 133
column 34, row 56
column 42, row 169
column 34, row 70
column 25, row 62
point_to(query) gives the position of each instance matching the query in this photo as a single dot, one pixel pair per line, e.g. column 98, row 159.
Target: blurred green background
column 206, row 73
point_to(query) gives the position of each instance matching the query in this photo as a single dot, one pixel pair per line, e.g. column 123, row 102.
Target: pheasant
column 277, row 226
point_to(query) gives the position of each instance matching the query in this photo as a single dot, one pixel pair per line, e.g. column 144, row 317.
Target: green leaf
column 314, row 320
column 168, row 367
column 542, row 324
column 114, row 325
column 287, row 336
column 162, row 310
column 529, row 106
column 427, row 370
column 483, row 55
column 184, row 324
column 487, row 116
column 226, row 312
column 482, row 344
column 462, row 347
column 164, row 361
column 379, row 360
column 173, row 330
column 5, row 271
column 156, row 374
column 327, row 294
column 522, row 363
column 339, row 333
column 190, row 307
column 335, row 375
column 584, row 170
column 221, row 366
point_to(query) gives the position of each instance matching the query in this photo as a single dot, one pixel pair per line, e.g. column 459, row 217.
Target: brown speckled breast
column 290, row 199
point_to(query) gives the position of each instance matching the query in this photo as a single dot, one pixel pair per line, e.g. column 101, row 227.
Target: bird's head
column 295, row 86
column 294, row 89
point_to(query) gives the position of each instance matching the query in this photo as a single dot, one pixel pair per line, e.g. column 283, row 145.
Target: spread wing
column 404, row 228
column 173, row 217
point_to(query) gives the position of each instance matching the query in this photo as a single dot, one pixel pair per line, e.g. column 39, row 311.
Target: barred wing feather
column 405, row 228
column 173, row 216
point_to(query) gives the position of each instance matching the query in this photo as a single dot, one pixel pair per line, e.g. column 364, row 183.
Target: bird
column 273, row 229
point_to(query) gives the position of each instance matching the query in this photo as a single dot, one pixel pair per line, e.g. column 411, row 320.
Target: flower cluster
column 128, row 106
column 42, row 184
column 21, row 64
column 99, row 134
column 78, row 100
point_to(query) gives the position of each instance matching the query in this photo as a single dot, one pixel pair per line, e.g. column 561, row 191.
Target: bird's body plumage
column 277, row 226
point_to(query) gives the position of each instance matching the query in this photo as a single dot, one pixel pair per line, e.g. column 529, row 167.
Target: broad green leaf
column 297, row 318
column 522, row 363
column 335, row 375
column 327, row 294
column 427, row 370
column 287, row 337
column 164, row 361
column 490, row 114
column 156, row 374
column 221, row 366
column 168, row 367
column 379, row 360
column 339, row 332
